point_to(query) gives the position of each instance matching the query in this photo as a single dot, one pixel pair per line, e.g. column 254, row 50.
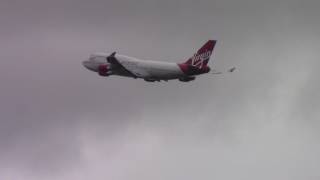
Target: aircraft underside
column 149, row 78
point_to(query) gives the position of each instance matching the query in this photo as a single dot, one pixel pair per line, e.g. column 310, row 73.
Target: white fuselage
column 151, row 69
column 146, row 69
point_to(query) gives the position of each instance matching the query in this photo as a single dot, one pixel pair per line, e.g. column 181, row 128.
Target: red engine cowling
column 103, row 70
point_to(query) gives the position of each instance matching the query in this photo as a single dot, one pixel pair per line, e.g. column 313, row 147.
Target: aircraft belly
column 122, row 73
column 170, row 72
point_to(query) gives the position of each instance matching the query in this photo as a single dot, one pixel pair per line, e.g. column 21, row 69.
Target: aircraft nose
column 89, row 65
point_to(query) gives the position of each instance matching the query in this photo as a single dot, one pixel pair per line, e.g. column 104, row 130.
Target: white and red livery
column 116, row 64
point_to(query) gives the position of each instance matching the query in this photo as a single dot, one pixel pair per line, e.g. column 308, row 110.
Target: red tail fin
column 201, row 58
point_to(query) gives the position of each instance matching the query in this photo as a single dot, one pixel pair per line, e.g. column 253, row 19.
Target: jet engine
column 104, row 70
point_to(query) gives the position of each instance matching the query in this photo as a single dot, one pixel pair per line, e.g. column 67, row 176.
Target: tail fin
column 201, row 58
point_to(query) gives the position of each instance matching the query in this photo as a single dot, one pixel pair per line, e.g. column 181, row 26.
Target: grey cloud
column 59, row 121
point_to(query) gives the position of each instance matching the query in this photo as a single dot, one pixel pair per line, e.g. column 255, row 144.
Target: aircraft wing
column 129, row 70
column 133, row 68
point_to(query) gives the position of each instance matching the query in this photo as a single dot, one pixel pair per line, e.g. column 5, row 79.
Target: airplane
column 151, row 71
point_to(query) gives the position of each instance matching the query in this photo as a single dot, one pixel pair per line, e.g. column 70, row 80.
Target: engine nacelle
column 187, row 79
column 104, row 70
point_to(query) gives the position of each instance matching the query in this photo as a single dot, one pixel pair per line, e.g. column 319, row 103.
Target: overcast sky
column 61, row 121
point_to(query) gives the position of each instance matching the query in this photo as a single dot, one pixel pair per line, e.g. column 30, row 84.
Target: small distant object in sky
column 232, row 69
column 151, row 71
